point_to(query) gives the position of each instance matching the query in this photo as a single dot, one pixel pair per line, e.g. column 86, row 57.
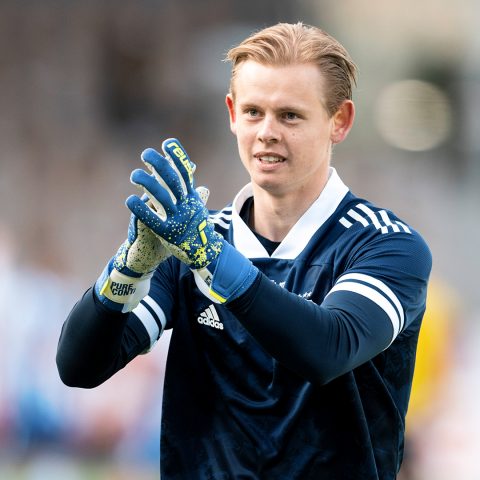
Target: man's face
column 283, row 131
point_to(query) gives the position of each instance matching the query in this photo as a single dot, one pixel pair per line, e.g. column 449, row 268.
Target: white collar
column 297, row 238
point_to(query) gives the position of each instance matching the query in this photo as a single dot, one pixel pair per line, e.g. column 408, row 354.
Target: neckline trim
column 298, row 237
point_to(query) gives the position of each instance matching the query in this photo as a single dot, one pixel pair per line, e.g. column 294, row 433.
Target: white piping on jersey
column 405, row 228
column 151, row 322
column 373, row 219
column 382, row 296
column 357, row 217
column 219, row 221
column 223, row 217
column 300, row 234
column 345, row 222
column 386, row 220
column 226, row 212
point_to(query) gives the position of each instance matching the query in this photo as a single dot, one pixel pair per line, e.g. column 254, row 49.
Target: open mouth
column 270, row 159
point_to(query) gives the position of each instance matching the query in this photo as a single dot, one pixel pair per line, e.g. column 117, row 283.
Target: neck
column 274, row 216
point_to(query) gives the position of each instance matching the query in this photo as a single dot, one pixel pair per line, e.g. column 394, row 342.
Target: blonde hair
column 286, row 44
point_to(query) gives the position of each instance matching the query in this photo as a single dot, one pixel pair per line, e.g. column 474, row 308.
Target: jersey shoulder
column 360, row 213
column 367, row 222
column 373, row 233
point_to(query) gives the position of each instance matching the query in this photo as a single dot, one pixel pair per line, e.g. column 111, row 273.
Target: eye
column 252, row 112
column 290, row 116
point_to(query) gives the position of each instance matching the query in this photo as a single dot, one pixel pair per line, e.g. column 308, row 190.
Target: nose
column 268, row 131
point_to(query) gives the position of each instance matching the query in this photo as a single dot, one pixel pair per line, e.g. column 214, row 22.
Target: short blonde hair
column 286, row 43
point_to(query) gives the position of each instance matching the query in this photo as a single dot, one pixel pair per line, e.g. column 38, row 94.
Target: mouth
column 270, row 159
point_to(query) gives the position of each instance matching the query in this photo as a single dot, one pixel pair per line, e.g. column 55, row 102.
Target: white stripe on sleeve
column 381, row 286
column 384, row 300
column 156, row 308
column 149, row 321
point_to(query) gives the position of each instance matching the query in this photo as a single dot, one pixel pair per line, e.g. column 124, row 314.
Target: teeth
column 271, row 159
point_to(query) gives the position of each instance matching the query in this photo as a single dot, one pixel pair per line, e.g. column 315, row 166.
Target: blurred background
column 86, row 86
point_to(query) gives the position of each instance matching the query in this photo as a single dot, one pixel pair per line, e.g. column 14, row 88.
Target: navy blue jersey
column 232, row 409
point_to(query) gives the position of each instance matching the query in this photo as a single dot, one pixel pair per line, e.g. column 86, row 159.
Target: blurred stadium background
column 86, row 86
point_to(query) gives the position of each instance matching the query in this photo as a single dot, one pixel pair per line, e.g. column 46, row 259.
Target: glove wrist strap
column 232, row 275
column 121, row 292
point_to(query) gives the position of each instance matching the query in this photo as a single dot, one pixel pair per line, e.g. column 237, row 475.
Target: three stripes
column 380, row 220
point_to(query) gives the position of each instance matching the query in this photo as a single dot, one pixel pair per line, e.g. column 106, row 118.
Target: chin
column 272, row 187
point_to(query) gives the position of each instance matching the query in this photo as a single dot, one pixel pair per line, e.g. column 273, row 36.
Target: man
column 295, row 311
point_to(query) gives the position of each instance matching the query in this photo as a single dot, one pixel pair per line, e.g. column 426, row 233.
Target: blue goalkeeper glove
column 126, row 278
column 180, row 218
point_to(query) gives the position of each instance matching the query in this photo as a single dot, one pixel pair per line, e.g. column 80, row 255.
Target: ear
column 231, row 112
column 342, row 121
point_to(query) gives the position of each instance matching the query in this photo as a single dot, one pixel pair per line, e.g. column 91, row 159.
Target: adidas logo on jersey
column 210, row 318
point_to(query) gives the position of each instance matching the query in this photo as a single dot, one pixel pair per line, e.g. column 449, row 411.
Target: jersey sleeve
column 381, row 292
column 386, row 276
column 96, row 342
column 156, row 311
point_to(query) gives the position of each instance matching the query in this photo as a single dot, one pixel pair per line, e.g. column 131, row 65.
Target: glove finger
column 145, row 214
column 154, row 206
column 203, row 193
column 173, row 150
column 163, row 170
column 158, row 195
column 146, row 199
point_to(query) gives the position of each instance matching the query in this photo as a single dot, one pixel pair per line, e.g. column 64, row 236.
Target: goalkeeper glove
column 182, row 221
column 126, row 278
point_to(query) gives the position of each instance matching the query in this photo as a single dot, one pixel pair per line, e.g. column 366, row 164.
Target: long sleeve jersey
column 306, row 376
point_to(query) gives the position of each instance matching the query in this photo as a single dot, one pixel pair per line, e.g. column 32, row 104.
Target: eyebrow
column 284, row 108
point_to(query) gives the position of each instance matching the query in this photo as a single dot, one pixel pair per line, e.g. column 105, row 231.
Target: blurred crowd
column 42, row 422
column 85, row 87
